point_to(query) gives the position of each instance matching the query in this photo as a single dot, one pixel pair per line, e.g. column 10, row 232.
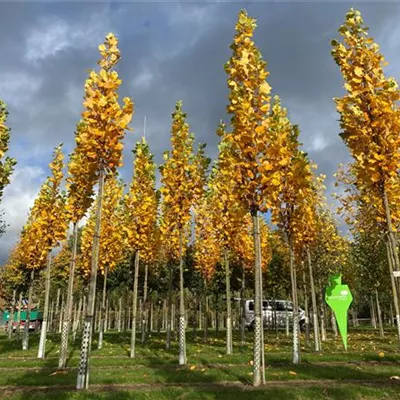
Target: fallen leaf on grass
column 59, row 372
column 292, row 373
column 203, row 370
column 193, row 367
column 397, row 378
column 381, row 354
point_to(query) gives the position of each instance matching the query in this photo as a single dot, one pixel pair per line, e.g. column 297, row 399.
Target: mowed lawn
column 370, row 369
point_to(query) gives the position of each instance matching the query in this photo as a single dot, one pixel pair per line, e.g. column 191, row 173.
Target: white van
column 282, row 308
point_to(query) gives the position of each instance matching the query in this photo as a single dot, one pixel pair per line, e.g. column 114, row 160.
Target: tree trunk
column 51, row 317
column 18, row 327
column 393, row 261
column 323, row 320
column 287, row 321
column 62, row 312
column 102, row 312
column 378, row 309
column 257, row 301
column 243, row 308
column 144, row 305
column 229, row 345
column 334, row 326
column 317, row 342
column 372, row 312
column 119, row 314
column 62, row 362
column 134, row 305
column 77, row 320
column 25, row 338
column 11, row 318
column 262, row 325
column 306, row 312
column 296, row 336
column 57, row 312
column 216, row 323
column 106, row 317
column 182, row 327
column 169, row 311
column 43, row 330
column 205, row 314
column 83, row 372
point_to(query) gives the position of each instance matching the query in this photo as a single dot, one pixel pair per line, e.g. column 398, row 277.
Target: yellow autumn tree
column 81, row 179
column 370, row 122
column 45, row 228
column 105, row 122
column 6, row 164
column 141, row 216
column 258, row 158
column 180, row 186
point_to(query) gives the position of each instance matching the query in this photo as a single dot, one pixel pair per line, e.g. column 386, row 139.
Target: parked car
column 282, row 308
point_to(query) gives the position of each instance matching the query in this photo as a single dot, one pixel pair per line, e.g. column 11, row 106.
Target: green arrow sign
column 338, row 297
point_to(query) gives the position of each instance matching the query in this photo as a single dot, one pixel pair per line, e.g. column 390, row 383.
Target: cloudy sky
column 170, row 51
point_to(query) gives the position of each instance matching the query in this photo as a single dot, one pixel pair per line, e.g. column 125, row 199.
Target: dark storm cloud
column 170, row 51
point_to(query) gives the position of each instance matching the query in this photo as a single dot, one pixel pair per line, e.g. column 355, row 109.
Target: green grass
column 361, row 373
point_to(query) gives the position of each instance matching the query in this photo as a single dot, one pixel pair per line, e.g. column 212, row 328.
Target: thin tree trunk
column 317, row 342
column 57, row 312
column 106, row 317
column 306, row 311
column 287, row 321
column 62, row 362
column 43, row 331
column 262, row 326
column 205, row 314
column 119, row 314
column 323, row 320
column 144, row 305
column 134, row 305
column 102, row 312
column 182, row 327
column 25, row 338
column 296, row 336
column 11, row 318
column 169, row 311
column 62, row 312
column 393, row 261
column 216, row 323
column 77, row 320
column 334, row 326
column 257, row 301
column 372, row 312
column 83, row 372
column 229, row 345
column 18, row 327
column 378, row 309
column 243, row 307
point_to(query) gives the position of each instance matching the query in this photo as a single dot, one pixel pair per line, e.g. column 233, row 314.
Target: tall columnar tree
column 53, row 226
column 180, row 188
column 80, row 183
column 46, row 226
column 228, row 216
column 249, row 106
column 105, row 123
column 6, row 164
column 370, row 122
column 111, row 246
column 141, row 216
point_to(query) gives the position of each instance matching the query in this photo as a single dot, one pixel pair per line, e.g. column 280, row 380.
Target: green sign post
column 338, row 297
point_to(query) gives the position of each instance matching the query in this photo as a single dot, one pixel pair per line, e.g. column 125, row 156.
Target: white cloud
column 17, row 199
column 18, row 88
column 144, row 79
column 55, row 35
